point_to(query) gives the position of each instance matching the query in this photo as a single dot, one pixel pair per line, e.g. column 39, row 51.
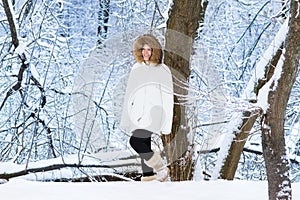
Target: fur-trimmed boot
column 156, row 162
column 148, row 178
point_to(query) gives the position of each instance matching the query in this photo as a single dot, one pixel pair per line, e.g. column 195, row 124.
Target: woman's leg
column 140, row 141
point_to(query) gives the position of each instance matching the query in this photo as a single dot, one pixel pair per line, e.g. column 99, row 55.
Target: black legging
column 140, row 141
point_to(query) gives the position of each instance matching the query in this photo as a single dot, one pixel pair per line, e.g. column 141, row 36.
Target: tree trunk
column 249, row 117
column 232, row 160
column 273, row 140
column 182, row 25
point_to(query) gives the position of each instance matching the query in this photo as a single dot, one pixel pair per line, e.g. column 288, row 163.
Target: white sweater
column 148, row 102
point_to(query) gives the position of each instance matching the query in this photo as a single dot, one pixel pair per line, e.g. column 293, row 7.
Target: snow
column 28, row 188
column 221, row 190
column 223, row 152
column 101, row 159
column 166, row 13
column 298, row 10
column 21, row 48
column 265, row 59
column 262, row 97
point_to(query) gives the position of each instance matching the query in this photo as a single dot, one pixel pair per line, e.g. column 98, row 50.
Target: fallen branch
column 7, row 176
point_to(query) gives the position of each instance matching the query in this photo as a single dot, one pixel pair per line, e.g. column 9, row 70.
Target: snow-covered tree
column 276, row 93
column 48, row 47
column 180, row 35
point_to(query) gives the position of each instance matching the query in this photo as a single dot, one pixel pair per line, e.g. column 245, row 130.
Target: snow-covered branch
column 12, row 21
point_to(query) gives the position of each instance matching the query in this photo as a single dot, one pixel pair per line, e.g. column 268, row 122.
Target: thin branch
column 17, row 86
column 11, row 22
column 252, row 22
column 210, row 124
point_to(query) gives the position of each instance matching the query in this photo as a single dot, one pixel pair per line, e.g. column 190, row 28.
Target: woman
column 148, row 105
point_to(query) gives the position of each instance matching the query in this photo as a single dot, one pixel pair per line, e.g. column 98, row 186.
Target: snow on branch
column 262, row 96
column 248, row 93
column 298, row 9
column 47, row 168
column 115, row 160
column 265, row 59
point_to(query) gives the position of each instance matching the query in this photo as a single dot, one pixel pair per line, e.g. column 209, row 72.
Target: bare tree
column 17, row 87
column 182, row 25
column 35, row 107
column 244, row 121
column 249, row 117
column 278, row 90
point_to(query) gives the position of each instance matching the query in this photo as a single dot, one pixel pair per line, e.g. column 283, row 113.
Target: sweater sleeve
column 168, row 102
column 125, row 120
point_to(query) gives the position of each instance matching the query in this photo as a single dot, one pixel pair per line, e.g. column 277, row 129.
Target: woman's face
column 146, row 52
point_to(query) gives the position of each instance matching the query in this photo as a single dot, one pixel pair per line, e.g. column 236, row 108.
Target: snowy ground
column 212, row 190
column 29, row 188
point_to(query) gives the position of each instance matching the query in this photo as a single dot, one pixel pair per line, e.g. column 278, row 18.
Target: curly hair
column 151, row 41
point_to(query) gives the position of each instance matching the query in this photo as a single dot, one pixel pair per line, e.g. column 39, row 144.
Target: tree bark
column 182, row 25
column 12, row 27
column 232, row 160
column 249, row 117
column 277, row 164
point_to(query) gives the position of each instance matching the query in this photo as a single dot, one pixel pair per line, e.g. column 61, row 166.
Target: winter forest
column 64, row 67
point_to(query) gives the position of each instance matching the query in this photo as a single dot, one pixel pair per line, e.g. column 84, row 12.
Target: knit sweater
column 148, row 102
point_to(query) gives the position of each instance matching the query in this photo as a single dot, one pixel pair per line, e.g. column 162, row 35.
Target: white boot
column 162, row 174
column 148, row 178
column 156, row 162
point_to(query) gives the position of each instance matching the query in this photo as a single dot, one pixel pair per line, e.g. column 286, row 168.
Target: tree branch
column 7, row 176
column 11, row 22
